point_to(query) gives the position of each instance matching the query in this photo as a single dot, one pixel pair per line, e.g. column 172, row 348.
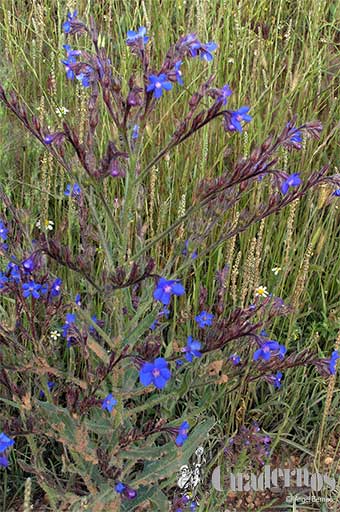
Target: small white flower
column 61, row 111
column 54, row 335
column 276, row 270
column 261, row 291
column 47, row 225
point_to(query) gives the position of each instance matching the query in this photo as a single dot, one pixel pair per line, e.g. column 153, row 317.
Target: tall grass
column 280, row 57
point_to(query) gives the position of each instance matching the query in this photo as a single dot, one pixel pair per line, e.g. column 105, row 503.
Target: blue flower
column 3, row 231
column 332, row 362
column 165, row 289
column 85, row 77
column 29, row 264
column 49, row 138
column 14, row 272
column 154, row 325
column 179, row 72
column 191, row 44
column 3, row 280
column 92, row 330
column 234, row 121
column 5, row 442
column 3, row 461
column 296, row 138
column 44, row 289
column 70, row 320
column 182, row 433
column 120, row 487
column 193, row 505
column 293, row 180
column 135, row 131
column 130, row 493
column 31, row 289
column 156, row 373
column 109, row 402
column 126, row 491
column 268, row 349
column 224, row 94
column 157, row 83
column 67, row 24
column 277, row 380
column 203, row 50
column 77, row 300
column 192, row 349
column 204, row 319
column 50, row 385
column 56, row 287
column 133, row 37
column 336, row 192
column 76, row 190
column 235, row 359
column 71, row 58
column 185, row 251
column 164, row 312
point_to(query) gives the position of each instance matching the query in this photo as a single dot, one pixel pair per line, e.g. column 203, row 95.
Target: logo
column 190, row 476
column 274, row 479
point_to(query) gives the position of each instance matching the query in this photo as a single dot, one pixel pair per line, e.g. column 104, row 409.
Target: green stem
column 166, row 232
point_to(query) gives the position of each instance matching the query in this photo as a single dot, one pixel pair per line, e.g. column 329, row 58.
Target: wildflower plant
column 114, row 410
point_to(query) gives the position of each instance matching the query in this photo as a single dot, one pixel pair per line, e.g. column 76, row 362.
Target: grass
column 280, row 57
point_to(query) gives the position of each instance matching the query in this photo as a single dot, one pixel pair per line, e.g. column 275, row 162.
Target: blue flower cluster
column 233, row 119
column 140, row 35
column 163, row 81
column 198, row 49
column 235, row 359
column 269, row 349
column 20, row 273
column 125, row 491
column 182, row 433
column 67, row 25
column 83, row 77
column 72, row 190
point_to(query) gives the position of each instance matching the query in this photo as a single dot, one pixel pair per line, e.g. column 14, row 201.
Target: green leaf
column 168, row 465
column 140, row 329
